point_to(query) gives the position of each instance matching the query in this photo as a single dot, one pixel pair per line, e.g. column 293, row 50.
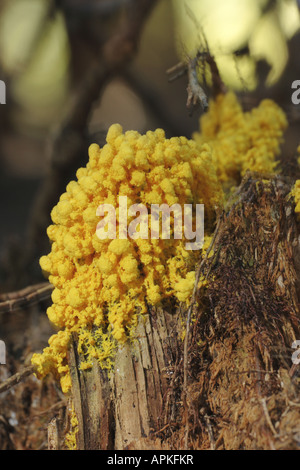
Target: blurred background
column 74, row 67
column 66, row 84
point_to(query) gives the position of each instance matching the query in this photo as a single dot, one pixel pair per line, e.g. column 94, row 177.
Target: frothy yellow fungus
column 101, row 285
column 240, row 140
column 70, row 439
column 295, row 193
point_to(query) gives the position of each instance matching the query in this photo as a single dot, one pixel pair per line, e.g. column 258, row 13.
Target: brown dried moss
column 243, row 392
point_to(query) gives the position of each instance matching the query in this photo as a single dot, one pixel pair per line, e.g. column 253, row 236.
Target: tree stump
column 242, row 389
column 118, row 410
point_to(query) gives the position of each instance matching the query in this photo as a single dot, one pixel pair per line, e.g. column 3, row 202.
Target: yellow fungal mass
column 240, row 140
column 102, row 285
column 296, row 195
column 70, row 438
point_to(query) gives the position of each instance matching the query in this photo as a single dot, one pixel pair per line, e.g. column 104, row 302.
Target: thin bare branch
column 28, row 296
column 177, row 71
column 16, row 379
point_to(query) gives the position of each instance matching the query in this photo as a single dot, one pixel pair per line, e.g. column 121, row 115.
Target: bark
column 117, row 410
column 241, row 389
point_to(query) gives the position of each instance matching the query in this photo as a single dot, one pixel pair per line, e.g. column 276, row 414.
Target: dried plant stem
column 16, row 379
column 268, row 419
column 195, row 92
column 14, row 300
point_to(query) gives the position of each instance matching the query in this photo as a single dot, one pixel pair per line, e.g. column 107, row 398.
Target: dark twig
column 17, row 378
column 27, row 296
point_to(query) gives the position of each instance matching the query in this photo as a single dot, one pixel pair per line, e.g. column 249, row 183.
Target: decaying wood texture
column 134, row 401
column 245, row 324
column 241, row 389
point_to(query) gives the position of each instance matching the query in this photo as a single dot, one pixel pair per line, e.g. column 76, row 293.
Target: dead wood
column 236, row 390
column 138, row 398
column 245, row 324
